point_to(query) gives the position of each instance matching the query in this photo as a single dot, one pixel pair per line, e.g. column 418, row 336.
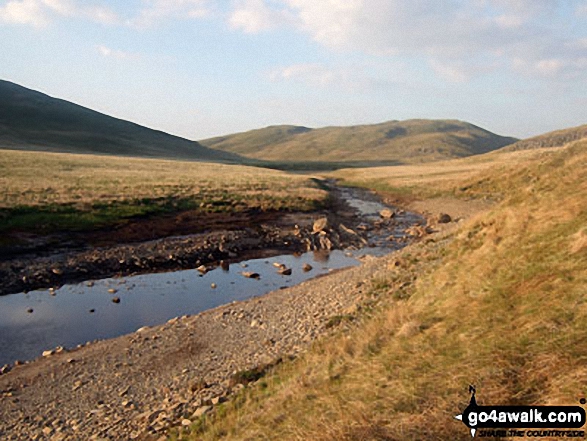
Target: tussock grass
column 85, row 190
column 439, row 178
column 500, row 303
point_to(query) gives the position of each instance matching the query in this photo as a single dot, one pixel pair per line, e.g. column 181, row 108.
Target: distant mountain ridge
column 558, row 138
column 31, row 120
column 398, row 141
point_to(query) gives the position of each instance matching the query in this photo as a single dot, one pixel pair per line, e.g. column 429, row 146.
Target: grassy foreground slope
column 393, row 141
column 31, row 120
column 501, row 302
column 557, row 138
column 56, row 191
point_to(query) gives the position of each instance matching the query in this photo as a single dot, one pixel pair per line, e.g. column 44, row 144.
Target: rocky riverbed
column 139, row 385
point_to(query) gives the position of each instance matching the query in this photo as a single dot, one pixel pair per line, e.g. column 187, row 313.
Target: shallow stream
column 75, row 314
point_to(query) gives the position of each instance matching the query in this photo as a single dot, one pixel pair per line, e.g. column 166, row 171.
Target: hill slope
column 557, row 138
column 393, row 141
column 31, row 120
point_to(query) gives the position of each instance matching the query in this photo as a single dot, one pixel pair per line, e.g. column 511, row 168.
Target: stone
column 224, row 265
column 57, row 271
column 202, row 269
column 250, row 275
column 185, row 422
column 387, row 213
column 320, row 225
column 213, row 286
column 444, row 218
column 30, row 310
column 285, row 271
column 218, row 400
column 202, row 410
column 306, row 267
column 278, row 265
column 48, row 353
column 116, row 300
column 112, row 291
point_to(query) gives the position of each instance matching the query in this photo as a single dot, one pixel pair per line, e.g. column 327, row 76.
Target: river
column 78, row 313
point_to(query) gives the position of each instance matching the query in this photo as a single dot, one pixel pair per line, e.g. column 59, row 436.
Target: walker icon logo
column 484, row 420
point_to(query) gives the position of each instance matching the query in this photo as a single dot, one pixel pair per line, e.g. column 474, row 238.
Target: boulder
column 387, row 213
column 320, row 225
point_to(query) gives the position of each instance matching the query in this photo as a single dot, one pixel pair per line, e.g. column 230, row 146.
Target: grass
column 52, row 191
column 438, row 179
column 499, row 303
column 392, row 142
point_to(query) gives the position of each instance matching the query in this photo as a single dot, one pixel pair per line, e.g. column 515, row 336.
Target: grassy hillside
column 499, row 303
column 557, row 138
column 43, row 191
column 30, row 120
column 393, row 142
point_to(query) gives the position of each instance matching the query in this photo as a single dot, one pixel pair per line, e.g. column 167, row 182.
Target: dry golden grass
column 501, row 303
column 433, row 178
column 38, row 178
column 47, row 192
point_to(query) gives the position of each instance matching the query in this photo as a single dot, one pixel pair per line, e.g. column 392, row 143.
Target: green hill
column 393, row 142
column 557, row 138
column 31, row 120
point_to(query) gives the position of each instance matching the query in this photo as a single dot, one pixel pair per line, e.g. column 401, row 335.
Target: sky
column 202, row 68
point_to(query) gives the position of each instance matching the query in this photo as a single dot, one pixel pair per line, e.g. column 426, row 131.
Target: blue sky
column 200, row 68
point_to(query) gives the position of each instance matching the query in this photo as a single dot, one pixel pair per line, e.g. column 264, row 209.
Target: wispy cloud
column 40, row 13
column 454, row 37
column 29, row 12
column 254, row 16
column 312, row 73
column 107, row 52
column 155, row 11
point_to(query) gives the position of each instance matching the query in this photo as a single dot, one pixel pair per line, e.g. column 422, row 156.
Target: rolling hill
column 557, row 138
column 392, row 142
column 31, row 120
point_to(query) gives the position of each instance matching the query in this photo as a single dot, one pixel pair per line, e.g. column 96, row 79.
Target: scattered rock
column 202, row 268
column 444, row 218
column 57, row 271
column 250, row 275
column 30, row 310
column 185, row 422
column 224, row 265
column 306, row 267
column 278, row 265
column 202, row 410
column 285, row 271
column 112, row 291
column 48, row 353
column 115, row 299
column 387, row 214
column 213, row 286
column 320, row 225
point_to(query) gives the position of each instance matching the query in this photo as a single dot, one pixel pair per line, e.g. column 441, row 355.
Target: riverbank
column 139, row 385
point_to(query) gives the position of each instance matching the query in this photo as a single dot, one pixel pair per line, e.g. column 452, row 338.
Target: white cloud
column 456, row 37
column 156, row 11
column 107, row 52
column 254, row 16
column 40, row 13
column 312, row 73
column 581, row 9
column 24, row 12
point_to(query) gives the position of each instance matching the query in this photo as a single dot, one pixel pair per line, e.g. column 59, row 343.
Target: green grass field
column 44, row 192
column 412, row 141
column 501, row 305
